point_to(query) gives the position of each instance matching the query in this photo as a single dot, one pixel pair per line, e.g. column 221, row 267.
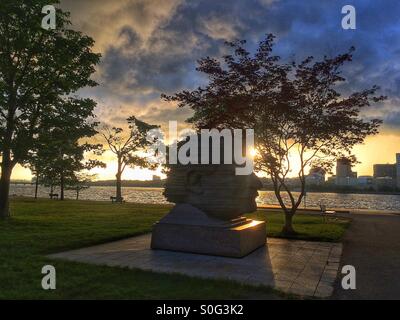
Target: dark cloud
column 152, row 46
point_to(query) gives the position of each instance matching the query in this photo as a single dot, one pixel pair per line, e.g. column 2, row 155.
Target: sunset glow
column 377, row 149
column 147, row 49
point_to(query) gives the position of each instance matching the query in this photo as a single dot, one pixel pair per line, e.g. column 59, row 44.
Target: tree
column 127, row 146
column 37, row 68
column 49, row 179
column 67, row 160
column 79, row 182
column 295, row 109
column 60, row 157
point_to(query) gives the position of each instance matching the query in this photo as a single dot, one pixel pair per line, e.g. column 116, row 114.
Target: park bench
column 326, row 213
column 115, row 199
column 53, row 195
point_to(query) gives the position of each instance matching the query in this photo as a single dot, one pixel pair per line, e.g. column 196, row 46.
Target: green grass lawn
column 308, row 226
column 43, row 226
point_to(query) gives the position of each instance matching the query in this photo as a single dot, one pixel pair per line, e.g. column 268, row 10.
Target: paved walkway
column 299, row 267
column 372, row 246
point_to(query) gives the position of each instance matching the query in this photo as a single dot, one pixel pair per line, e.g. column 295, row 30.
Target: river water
column 154, row 195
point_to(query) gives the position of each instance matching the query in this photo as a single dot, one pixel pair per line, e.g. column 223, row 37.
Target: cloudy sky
column 150, row 47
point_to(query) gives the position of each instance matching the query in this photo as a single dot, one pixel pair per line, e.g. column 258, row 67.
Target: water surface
column 154, row 195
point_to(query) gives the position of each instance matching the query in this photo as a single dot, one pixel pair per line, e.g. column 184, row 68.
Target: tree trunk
column 289, row 212
column 118, row 191
column 36, row 186
column 288, row 226
column 118, row 185
column 62, row 187
column 6, row 163
column 6, row 169
column 77, row 193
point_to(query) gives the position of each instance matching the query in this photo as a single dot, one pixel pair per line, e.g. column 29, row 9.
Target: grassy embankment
column 41, row 227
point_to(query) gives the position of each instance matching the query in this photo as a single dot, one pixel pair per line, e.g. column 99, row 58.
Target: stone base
column 236, row 238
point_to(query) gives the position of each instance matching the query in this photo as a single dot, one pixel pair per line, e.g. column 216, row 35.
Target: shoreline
column 394, row 193
column 269, row 207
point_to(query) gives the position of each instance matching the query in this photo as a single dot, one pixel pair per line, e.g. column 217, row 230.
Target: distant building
column 385, row 170
column 347, row 181
column 365, row 182
column 384, row 184
column 344, row 175
column 316, row 176
column 343, row 169
column 387, row 175
column 156, row 178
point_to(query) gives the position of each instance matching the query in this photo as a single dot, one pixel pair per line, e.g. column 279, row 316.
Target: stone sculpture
column 207, row 218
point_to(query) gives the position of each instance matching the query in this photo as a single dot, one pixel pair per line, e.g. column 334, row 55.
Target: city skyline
column 148, row 174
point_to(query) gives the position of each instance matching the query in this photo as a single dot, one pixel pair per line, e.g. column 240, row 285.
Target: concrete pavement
column 372, row 246
column 300, row 267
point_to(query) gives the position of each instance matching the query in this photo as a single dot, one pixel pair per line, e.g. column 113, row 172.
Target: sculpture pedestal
column 189, row 229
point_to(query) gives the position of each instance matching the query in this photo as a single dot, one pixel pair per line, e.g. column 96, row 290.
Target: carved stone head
column 215, row 189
